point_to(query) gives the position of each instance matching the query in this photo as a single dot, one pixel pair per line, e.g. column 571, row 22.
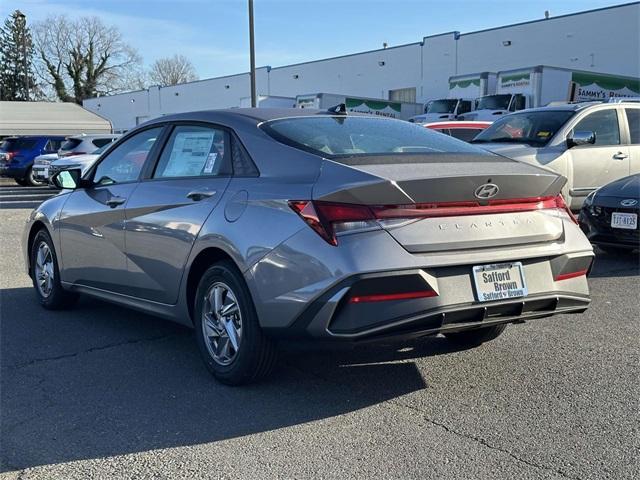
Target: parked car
column 465, row 131
column 257, row 224
column 85, row 144
column 41, row 166
column 609, row 216
column 84, row 162
column 591, row 144
column 18, row 153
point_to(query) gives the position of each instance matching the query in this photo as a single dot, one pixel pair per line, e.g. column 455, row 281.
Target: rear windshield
column 465, row 134
column 335, row 137
column 15, row 144
column 70, row 143
column 533, row 128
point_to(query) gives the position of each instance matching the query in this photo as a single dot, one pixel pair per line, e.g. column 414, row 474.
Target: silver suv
column 85, row 143
column 591, row 144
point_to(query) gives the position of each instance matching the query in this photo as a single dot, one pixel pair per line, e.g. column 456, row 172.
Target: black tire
column 478, row 336
column 58, row 298
column 30, row 180
column 256, row 353
column 613, row 250
column 21, row 181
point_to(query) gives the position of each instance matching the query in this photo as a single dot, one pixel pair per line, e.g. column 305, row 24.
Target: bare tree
column 84, row 58
column 172, row 70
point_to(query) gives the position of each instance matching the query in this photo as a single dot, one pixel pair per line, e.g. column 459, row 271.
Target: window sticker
column 211, row 162
column 190, row 154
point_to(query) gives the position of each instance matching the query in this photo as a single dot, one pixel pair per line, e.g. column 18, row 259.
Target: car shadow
column 615, row 264
column 100, row 380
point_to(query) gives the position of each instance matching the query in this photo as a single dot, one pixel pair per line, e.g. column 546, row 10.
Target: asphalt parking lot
column 104, row 392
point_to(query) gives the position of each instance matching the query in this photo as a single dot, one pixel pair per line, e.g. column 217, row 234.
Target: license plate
column 45, row 171
column 628, row 221
column 499, row 281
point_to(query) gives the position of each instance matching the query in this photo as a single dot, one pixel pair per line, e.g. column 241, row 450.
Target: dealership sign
column 591, row 86
column 374, row 107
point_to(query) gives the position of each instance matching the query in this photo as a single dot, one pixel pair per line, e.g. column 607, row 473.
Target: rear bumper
column 299, row 295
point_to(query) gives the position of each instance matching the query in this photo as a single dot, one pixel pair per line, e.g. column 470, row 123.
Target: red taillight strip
column 393, row 296
column 453, row 209
column 567, row 276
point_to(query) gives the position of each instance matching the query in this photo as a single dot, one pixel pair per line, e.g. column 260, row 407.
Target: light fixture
column 381, row 63
column 296, row 76
column 227, row 87
column 506, row 43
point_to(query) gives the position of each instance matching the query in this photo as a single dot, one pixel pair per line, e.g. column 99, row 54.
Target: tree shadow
column 100, row 380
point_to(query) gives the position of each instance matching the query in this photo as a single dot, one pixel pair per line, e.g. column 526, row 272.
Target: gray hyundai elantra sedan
column 257, row 225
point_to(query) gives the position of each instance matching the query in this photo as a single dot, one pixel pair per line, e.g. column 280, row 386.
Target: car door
column 604, row 161
column 633, row 123
column 167, row 210
column 92, row 221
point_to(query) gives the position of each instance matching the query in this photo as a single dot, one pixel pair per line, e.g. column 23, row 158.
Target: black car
column 609, row 215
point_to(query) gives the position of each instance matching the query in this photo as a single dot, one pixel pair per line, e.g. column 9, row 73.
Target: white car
column 86, row 143
column 84, row 162
column 41, row 166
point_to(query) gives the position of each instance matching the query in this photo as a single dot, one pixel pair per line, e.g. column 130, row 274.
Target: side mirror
column 581, row 138
column 67, row 179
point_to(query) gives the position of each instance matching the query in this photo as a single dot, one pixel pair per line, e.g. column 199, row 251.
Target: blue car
column 17, row 155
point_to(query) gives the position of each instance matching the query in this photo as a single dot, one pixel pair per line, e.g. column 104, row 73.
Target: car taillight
column 328, row 219
column 9, row 156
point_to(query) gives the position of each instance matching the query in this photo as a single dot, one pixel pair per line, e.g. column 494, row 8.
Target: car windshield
column 344, row 136
column 442, row 106
column 494, row 102
column 14, row 144
column 534, row 128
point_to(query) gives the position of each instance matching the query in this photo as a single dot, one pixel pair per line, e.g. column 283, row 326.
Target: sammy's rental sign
column 590, row 86
column 374, row 107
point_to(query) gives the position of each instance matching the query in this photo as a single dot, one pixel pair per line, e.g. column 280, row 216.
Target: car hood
column 47, row 157
column 627, row 187
column 76, row 160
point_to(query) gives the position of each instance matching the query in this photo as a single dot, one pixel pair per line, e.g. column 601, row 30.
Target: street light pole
column 24, row 54
column 252, row 56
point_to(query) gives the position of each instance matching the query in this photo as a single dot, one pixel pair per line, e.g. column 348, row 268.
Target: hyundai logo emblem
column 488, row 190
column 629, row 202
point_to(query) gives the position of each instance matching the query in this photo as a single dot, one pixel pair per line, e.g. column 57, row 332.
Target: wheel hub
column 222, row 323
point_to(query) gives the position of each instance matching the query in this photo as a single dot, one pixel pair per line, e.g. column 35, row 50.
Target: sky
column 213, row 34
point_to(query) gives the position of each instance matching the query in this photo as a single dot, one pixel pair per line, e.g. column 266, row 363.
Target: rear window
column 335, row 137
column 70, row 143
column 14, row 144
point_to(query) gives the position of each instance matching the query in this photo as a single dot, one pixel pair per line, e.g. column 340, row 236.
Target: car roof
column 254, row 115
column 577, row 106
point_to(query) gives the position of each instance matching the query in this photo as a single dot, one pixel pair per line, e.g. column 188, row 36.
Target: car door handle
column 620, row 156
column 198, row 195
column 113, row 202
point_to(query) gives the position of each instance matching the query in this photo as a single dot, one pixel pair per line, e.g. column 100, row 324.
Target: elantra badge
column 629, row 202
column 488, row 190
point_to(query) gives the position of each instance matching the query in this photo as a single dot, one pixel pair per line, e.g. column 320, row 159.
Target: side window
column 518, row 103
column 193, row 151
column 464, row 107
column 633, row 116
column 48, row 147
column 124, row 163
column 101, row 142
column 604, row 123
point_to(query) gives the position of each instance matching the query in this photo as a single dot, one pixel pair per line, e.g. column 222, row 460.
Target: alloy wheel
column 222, row 323
column 44, row 269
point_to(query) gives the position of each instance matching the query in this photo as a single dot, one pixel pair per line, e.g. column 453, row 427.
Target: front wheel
column 231, row 342
column 473, row 338
column 46, row 275
column 30, row 179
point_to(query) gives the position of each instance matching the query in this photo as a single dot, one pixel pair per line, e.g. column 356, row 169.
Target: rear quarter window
column 70, row 143
column 101, row 142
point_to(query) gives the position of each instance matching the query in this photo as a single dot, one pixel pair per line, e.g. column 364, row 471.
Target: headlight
column 589, row 200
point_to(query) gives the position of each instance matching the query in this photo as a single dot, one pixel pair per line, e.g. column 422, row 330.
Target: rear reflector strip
column 567, row 276
column 393, row 296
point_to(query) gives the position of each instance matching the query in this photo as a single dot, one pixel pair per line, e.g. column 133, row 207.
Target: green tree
column 17, row 80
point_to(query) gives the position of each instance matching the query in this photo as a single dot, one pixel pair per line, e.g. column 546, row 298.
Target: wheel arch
column 33, row 231
column 203, row 260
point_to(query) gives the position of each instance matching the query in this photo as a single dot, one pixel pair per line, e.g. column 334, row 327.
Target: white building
column 605, row 40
